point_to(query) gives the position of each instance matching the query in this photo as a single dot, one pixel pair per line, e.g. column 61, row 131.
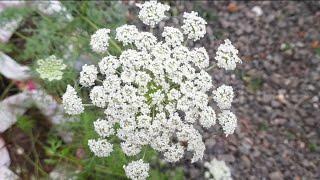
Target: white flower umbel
column 152, row 12
column 100, row 147
column 172, row 36
column 228, row 121
column 99, row 96
column 51, row 68
column 145, row 41
column 174, row 153
column 88, row 75
column 100, row 40
column 207, row 117
column 130, row 149
column 223, row 96
column 71, row 102
column 227, row 56
column 108, row 65
column 193, row 26
column 126, row 34
column 200, row 57
column 155, row 92
column 217, row 170
column 103, row 127
column 137, row 170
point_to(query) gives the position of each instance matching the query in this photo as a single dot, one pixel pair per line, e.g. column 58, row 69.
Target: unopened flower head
column 223, row 96
column 51, row 68
column 217, row 170
column 137, row 170
column 152, row 12
column 71, row 102
column 227, row 56
column 193, row 26
column 100, row 40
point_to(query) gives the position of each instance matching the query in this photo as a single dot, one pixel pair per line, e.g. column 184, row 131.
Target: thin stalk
column 185, row 43
column 34, row 164
column 5, row 92
column 210, row 67
column 35, row 153
column 144, row 153
column 99, row 80
column 21, row 35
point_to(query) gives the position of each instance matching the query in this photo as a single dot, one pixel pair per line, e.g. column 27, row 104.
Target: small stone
column 257, row 10
column 279, row 121
column 246, row 161
column 232, row 7
column 227, row 157
column 277, row 175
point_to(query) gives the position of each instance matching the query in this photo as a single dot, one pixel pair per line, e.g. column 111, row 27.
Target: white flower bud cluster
column 103, row 127
column 71, row 102
column 217, row 170
column 172, row 36
column 227, row 56
column 155, row 92
column 126, row 34
column 100, row 147
column 137, row 170
column 100, row 40
column 88, row 75
column 152, row 12
column 224, row 95
column 193, row 26
column 228, row 121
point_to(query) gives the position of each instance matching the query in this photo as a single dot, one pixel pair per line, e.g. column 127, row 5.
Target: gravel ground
column 277, row 89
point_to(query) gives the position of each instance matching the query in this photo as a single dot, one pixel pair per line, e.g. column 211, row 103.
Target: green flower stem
column 144, row 153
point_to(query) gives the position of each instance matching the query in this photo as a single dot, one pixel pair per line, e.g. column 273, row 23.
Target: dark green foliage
column 25, row 123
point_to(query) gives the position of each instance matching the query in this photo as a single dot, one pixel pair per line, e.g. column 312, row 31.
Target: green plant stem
column 144, row 153
column 34, row 164
column 21, row 35
column 5, row 92
column 210, row 67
